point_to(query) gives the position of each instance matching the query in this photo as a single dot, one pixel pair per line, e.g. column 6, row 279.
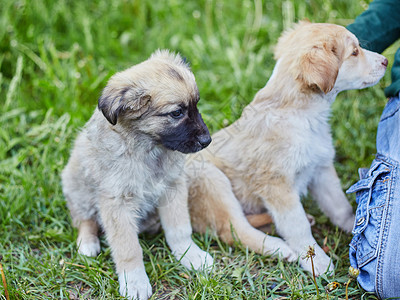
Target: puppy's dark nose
column 204, row 140
column 385, row 62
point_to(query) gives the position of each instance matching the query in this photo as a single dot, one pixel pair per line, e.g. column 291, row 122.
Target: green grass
column 56, row 56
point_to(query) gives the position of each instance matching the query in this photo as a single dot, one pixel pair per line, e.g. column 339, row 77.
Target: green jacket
column 377, row 28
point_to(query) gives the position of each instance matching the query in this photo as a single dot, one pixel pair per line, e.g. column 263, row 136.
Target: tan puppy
column 281, row 147
column 128, row 160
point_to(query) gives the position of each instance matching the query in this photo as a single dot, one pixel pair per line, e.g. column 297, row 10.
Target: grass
column 56, row 56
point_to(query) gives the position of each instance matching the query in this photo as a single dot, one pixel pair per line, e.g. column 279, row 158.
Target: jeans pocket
column 371, row 196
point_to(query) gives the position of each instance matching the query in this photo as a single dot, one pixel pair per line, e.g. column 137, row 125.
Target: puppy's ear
column 319, row 67
column 113, row 102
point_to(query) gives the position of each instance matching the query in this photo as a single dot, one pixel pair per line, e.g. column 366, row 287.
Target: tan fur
column 281, row 147
column 119, row 172
column 259, row 220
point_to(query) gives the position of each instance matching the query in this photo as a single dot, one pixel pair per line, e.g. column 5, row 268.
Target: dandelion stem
column 313, row 274
column 347, row 287
column 3, row 278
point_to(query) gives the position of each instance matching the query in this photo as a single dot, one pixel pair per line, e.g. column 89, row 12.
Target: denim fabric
column 375, row 247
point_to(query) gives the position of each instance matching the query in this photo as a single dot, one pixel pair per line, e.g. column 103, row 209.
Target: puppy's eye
column 177, row 114
column 355, row 52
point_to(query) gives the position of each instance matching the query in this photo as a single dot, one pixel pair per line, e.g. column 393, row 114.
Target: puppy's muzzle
column 199, row 137
column 190, row 136
column 203, row 135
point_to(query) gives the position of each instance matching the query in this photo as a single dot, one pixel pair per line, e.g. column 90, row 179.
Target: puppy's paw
column 348, row 223
column 135, row 284
column 89, row 247
column 344, row 218
column 277, row 247
column 194, row 257
column 322, row 262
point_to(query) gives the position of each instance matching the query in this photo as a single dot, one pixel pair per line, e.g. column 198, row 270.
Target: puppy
column 128, row 160
column 281, row 147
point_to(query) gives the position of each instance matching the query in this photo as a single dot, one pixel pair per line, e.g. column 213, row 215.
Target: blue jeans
column 375, row 247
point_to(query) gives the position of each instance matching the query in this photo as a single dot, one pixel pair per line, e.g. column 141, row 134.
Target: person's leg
column 388, row 264
column 388, row 146
column 374, row 248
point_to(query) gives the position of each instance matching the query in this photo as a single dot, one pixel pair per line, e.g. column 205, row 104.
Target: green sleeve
column 379, row 26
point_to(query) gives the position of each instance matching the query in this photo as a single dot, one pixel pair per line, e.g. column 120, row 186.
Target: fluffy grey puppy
column 128, row 160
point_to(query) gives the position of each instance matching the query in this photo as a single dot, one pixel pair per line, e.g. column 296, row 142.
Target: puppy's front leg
column 88, row 241
column 175, row 220
column 120, row 225
column 326, row 190
column 292, row 224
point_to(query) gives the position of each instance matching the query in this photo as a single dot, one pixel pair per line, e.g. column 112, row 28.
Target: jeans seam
column 391, row 114
column 386, row 223
column 386, row 160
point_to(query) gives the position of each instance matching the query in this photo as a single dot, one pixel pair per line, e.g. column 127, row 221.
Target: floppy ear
column 319, row 67
column 115, row 101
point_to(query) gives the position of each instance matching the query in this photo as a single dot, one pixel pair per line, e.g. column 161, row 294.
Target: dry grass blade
column 62, row 262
